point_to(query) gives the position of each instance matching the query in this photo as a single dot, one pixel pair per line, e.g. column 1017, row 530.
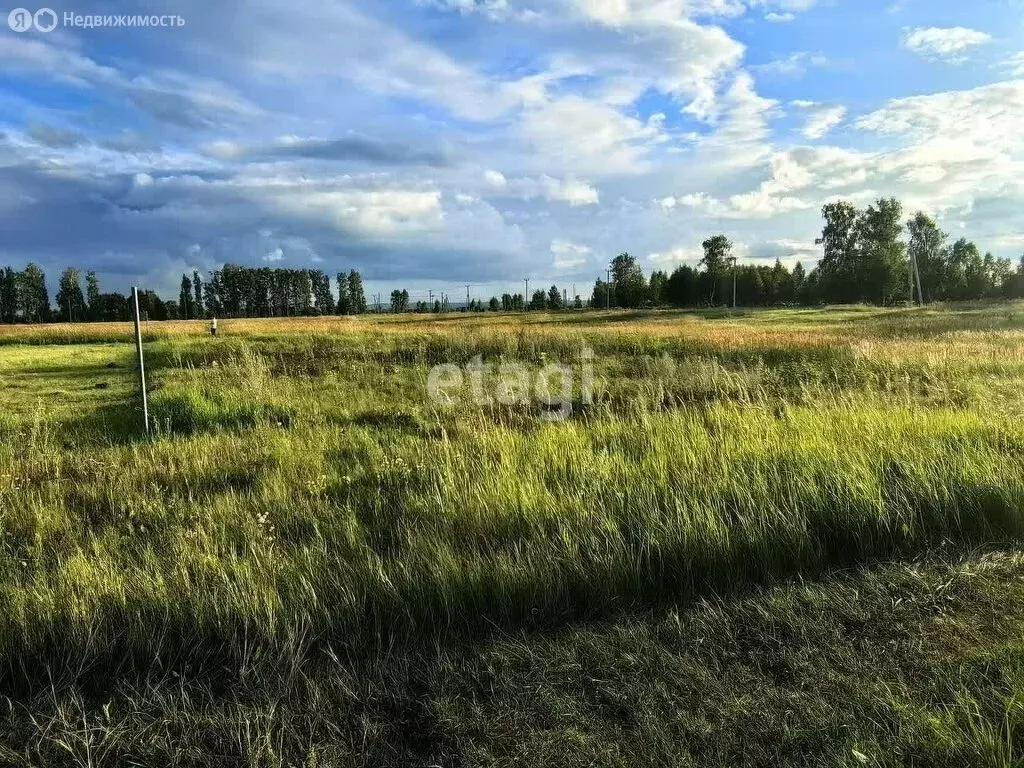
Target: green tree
column 882, row 273
column 836, row 271
column 539, row 301
column 198, row 305
column 344, row 304
column 186, row 306
column 323, row 299
column 92, row 293
column 717, row 253
column 10, row 304
column 601, row 298
column 927, row 247
column 630, row 286
column 799, row 279
column 356, row 297
column 33, row 295
column 681, row 287
column 70, row 301
column 399, row 301
column 656, row 287
column 554, row 298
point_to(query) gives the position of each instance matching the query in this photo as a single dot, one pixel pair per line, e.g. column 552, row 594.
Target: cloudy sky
column 433, row 143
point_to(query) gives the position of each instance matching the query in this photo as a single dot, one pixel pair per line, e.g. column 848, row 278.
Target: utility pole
column 916, row 276
column 142, row 364
column 734, row 282
column 608, row 289
column 565, row 299
column 526, row 296
column 467, row 298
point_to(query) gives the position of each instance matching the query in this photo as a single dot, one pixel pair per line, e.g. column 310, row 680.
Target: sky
column 432, row 144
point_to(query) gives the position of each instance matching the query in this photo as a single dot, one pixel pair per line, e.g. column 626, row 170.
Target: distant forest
column 869, row 256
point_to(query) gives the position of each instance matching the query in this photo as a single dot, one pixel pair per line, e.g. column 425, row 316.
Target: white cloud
column 1016, row 64
column 789, row 250
column 662, row 44
column 571, row 191
column 948, row 44
column 494, row 8
column 795, row 65
column 382, row 212
column 495, row 178
column 584, row 136
column 741, row 138
column 989, row 116
column 780, row 18
column 821, row 121
column 569, row 255
column 675, row 257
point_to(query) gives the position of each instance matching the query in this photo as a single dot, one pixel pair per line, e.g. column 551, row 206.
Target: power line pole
column 526, row 296
column 467, row 298
column 917, row 277
column 608, row 289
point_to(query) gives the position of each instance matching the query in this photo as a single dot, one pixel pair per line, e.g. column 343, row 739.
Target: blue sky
column 433, row 143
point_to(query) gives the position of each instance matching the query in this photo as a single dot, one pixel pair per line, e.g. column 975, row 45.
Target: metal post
column 526, row 296
column 142, row 364
column 608, row 289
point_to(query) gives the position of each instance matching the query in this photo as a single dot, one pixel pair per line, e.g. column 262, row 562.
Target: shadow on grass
column 425, row 606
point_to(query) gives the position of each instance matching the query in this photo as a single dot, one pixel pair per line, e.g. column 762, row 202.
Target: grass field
column 773, row 538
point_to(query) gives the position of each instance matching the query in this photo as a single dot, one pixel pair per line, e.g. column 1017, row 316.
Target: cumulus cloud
column 950, row 44
column 822, row 121
column 569, row 255
column 571, row 191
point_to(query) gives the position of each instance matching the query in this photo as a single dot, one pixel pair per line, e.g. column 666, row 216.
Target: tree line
column 235, row 291
column 868, row 256
column 24, row 298
column 232, row 291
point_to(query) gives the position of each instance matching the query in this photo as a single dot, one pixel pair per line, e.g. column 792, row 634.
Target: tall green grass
column 304, row 496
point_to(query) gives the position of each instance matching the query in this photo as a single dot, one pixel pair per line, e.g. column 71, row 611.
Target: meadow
column 786, row 537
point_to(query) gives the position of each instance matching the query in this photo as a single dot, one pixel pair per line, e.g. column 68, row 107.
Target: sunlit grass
column 303, row 499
